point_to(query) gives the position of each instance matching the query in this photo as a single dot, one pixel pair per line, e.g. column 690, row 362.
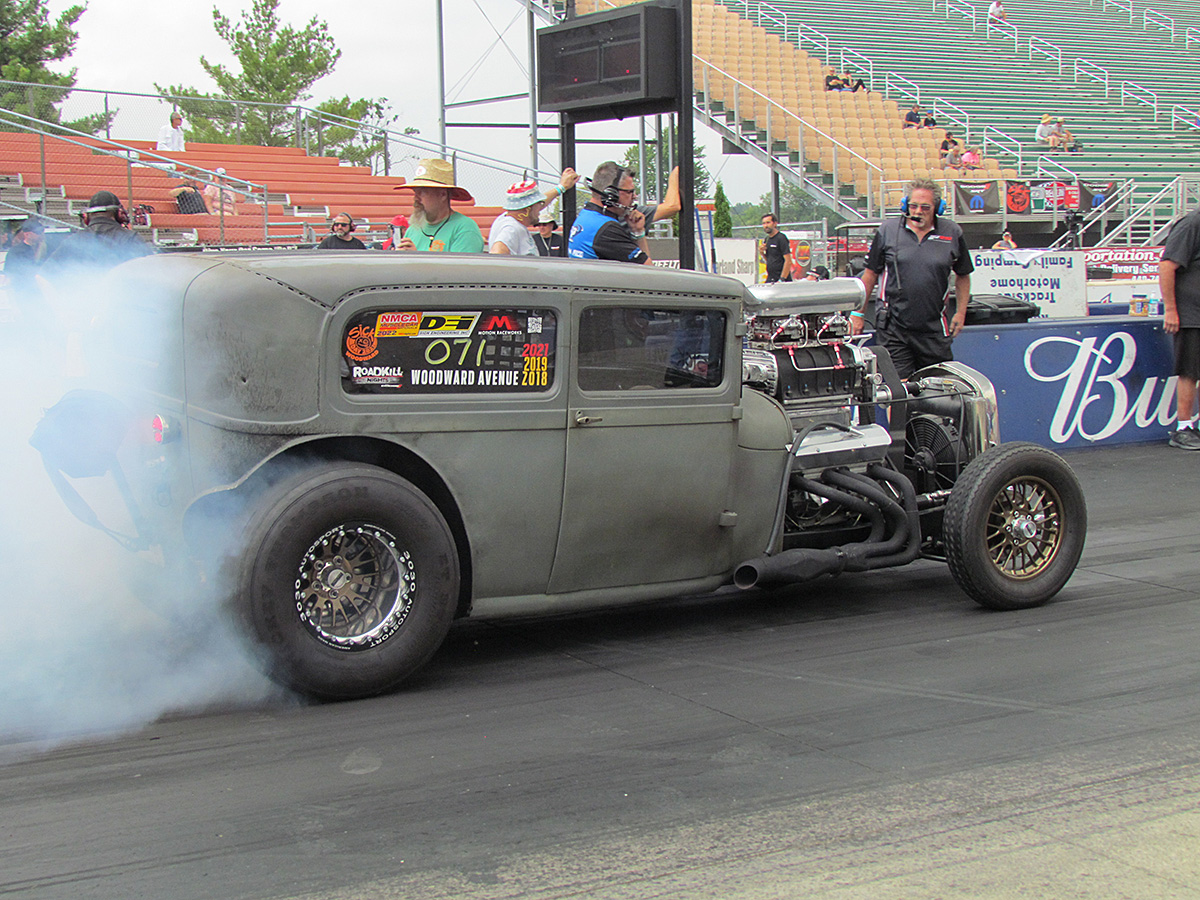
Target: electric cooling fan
column 934, row 452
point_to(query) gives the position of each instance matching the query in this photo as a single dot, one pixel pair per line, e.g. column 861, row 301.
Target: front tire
column 349, row 578
column 1014, row 526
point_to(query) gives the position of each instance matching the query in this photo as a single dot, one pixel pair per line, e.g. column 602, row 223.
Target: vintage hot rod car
column 359, row 448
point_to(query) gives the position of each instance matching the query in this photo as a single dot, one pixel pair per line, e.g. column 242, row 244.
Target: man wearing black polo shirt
column 911, row 259
column 776, row 250
column 1179, row 280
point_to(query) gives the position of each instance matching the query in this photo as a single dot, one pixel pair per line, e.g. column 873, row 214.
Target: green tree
column 702, row 183
column 29, row 42
column 795, row 205
column 278, row 65
column 722, row 223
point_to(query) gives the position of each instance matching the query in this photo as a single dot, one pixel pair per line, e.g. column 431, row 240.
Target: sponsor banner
column 1125, row 262
column 1046, row 196
column 1077, row 384
column 1017, row 198
column 1093, row 194
column 1056, row 280
column 975, row 197
column 738, row 258
column 397, row 351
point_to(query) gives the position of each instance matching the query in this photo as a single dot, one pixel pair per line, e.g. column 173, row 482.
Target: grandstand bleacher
column 302, row 191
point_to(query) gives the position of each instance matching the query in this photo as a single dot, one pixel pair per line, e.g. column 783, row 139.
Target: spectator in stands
column 341, row 238
column 1006, row 242
column 1064, row 136
column 996, row 12
column 104, row 242
column 949, row 143
column 218, row 198
column 912, row 118
column 523, row 202
column 434, row 226
column 170, row 137
column 928, row 121
column 850, row 83
column 1045, row 133
column 833, row 82
column 610, row 226
column 972, row 159
column 548, row 243
column 396, row 232
column 776, row 250
column 953, row 159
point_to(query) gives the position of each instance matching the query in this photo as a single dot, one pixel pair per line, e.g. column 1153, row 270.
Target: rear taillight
column 162, row 431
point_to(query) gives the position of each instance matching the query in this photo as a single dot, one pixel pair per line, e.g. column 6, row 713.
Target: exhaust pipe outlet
column 790, row 567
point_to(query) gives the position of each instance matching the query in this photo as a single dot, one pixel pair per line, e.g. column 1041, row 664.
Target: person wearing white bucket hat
column 522, row 203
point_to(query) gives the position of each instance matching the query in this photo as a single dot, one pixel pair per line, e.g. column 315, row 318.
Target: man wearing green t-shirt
column 434, row 226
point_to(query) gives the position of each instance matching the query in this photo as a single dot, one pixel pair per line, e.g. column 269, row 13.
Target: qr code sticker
column 534, row 326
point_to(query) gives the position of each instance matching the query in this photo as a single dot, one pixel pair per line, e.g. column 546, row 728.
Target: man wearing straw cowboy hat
column 434, row 226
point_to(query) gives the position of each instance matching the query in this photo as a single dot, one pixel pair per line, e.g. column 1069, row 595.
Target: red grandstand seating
column 319, row 184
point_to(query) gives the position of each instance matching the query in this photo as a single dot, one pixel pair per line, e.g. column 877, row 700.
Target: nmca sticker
column 397, row 324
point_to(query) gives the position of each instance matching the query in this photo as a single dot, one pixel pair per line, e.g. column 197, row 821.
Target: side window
column 405, row 351
column 625, row 347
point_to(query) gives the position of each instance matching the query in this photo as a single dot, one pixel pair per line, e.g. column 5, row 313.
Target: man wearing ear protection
column 610, row 226
column 340, row 237
column 103, row 243
column 911, row 259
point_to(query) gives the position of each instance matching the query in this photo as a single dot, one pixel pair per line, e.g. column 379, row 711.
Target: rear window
column 629, row 348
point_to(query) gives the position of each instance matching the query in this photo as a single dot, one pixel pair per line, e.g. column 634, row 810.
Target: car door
column 651, row 432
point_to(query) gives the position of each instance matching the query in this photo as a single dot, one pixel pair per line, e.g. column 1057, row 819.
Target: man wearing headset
column 610, row 226
column 341, row 238
column 911, row 259
column 105, row 240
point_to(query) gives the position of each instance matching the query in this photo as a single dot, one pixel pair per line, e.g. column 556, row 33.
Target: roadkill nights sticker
column 395, row 351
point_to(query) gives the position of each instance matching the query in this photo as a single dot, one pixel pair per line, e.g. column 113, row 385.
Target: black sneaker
column 1185, row 439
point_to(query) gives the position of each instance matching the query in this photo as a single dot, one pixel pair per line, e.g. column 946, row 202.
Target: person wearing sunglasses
column 912, row 259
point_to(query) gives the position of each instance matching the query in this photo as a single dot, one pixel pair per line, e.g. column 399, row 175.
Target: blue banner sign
column 1077, row 382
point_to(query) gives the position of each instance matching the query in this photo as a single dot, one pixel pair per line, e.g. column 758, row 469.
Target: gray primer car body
column 564, row 433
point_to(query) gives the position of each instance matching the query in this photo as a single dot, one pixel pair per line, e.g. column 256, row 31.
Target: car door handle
column 582, row 418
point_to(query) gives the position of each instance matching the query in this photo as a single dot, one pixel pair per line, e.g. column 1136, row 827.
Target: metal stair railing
column 251, row 192
column 1189, row 117
column 308, row 128
column 1006, row 143
column 1046, row 49
column 1160, row 208
column 1159, row 21
column 777, row 115
column 1123, row 196
column 1139, row 94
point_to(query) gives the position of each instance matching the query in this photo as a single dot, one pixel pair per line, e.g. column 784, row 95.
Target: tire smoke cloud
column 94, row 640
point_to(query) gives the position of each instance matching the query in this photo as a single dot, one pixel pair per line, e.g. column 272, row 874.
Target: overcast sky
column 388, row 50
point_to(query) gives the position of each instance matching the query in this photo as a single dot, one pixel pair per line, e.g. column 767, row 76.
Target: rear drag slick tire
column 349, row 578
